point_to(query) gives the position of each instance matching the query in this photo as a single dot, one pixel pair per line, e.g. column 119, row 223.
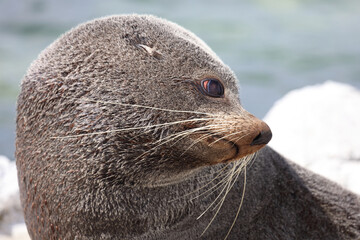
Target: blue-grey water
column 273, row 46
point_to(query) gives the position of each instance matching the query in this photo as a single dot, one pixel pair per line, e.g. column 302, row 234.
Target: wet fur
column 83, row 176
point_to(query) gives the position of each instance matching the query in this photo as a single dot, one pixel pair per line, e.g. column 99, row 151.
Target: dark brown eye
column 212, row 87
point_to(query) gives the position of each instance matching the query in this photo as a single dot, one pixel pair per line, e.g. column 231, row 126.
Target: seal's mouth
column 242, row 151
column 237, row 151
column 225, row 145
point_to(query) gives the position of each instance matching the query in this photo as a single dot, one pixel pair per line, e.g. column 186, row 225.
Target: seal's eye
column 212, row 87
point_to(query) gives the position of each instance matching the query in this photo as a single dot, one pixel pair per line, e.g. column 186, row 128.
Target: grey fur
column 115, row 184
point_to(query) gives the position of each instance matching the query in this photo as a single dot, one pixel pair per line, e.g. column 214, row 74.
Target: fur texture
column 99, row 154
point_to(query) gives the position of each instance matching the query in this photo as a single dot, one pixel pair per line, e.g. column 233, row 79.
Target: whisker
column 231, row 180
column 225, row 180
column 203, row 186
column 205, row 136
column 210, row 206
column 134, row 128
column 146, row 107
column 222, row 200
column 176, row 135
column 206, row 127
column 179, row 135
column 217, row 171
column 252, row 160
column 240, row 205
column 214, row 187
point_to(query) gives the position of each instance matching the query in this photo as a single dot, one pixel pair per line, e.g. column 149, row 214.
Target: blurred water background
column 273, row 46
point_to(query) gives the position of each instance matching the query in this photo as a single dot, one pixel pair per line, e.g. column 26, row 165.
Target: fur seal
column 130, row 127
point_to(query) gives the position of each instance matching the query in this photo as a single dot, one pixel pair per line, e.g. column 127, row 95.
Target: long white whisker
column 135, row 128
column 220, row 172
column 225, row 180
column 240, row 205
column 210, row 205
column 204, row 137
column 146, row 107
column 176, row 135
column 231, row 180
column 206, row 127
column 227, row 186
column 214, row 188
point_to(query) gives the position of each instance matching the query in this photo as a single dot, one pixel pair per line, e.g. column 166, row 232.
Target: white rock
column 12, row 224
column 319, row 127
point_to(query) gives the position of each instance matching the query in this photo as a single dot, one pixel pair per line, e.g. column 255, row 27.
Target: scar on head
column 151, row 51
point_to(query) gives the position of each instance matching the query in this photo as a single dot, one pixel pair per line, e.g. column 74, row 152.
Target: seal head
column 123, row 101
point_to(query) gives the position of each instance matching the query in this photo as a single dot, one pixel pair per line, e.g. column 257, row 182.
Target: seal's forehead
column 127, row 31
column 156, row 47
column 151, row 27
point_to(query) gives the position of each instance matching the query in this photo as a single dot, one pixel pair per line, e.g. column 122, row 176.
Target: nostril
column 262, row 138
column 256, row 138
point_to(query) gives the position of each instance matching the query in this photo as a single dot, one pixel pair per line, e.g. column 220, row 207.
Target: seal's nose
column 263, row 137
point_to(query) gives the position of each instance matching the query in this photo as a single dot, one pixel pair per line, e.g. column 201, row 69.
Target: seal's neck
column 139, row 211
column 208, row 194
